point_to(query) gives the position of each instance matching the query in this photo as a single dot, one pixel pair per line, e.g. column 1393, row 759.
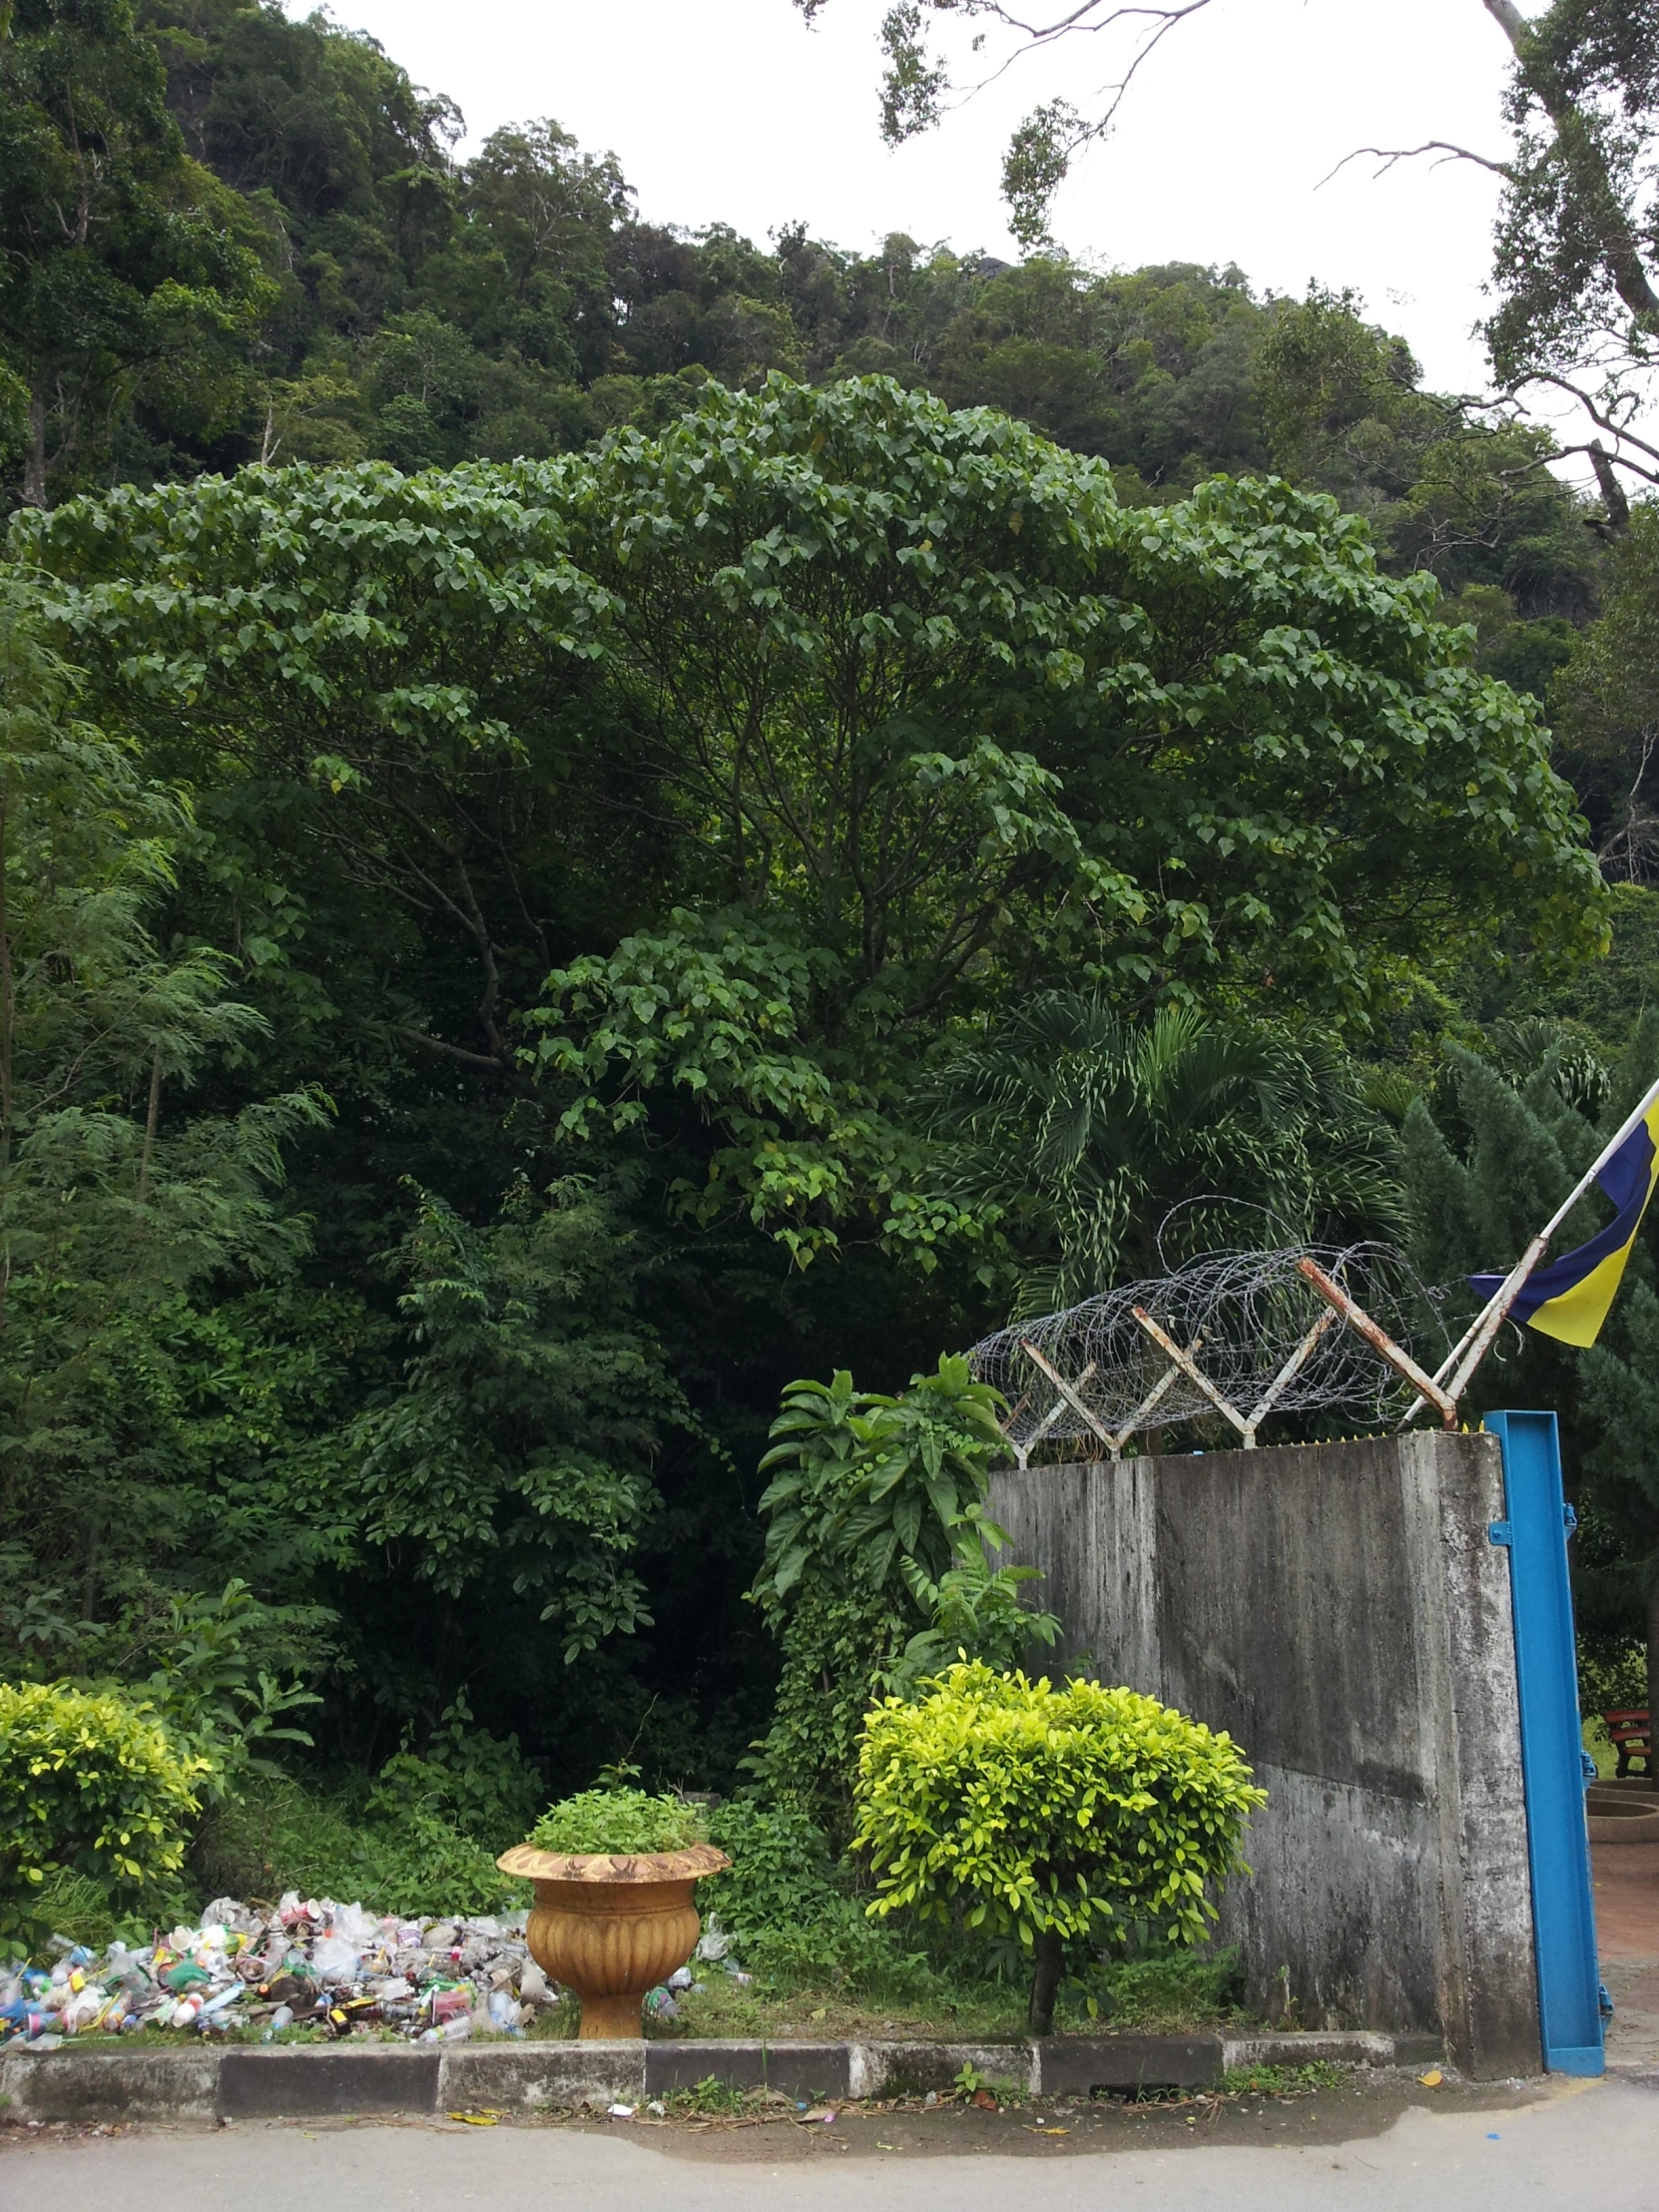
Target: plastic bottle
column 280, row 2019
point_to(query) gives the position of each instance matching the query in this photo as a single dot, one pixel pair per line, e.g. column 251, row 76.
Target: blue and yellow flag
column 1569, row 1298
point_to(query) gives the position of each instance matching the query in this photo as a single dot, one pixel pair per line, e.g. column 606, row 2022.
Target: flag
column 1569, row 1298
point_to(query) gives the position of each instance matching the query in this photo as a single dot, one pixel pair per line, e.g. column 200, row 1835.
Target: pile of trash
column 310, row 1963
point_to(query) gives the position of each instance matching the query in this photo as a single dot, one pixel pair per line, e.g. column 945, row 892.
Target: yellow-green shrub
column 1060, row 1815
column 92, row 1783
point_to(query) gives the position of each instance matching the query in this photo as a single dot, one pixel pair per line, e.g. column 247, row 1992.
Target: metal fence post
column 1551, row 1743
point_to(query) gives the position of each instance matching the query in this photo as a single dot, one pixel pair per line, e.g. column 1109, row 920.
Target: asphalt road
column 1575, row 2144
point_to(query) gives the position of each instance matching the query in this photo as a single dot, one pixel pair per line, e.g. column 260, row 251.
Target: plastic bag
column 333, row 1959
column 356, row 1927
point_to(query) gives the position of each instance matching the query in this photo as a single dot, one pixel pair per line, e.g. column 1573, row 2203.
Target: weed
column 711, row 2095
column 1285, row 2081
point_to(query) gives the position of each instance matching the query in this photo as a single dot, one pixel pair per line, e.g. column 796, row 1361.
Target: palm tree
column 1111, row 1148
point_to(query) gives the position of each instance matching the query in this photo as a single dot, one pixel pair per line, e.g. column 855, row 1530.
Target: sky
column 734, row 111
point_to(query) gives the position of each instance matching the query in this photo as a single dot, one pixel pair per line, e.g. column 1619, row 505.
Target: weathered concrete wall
column 1339, row 1611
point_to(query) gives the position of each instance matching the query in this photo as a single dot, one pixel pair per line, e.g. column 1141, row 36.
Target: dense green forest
column 551, row 763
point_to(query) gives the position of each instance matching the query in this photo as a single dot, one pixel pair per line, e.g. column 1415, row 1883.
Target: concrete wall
column 1339, row 1611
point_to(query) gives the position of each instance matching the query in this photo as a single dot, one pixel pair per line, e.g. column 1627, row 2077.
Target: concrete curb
column 203, row 2083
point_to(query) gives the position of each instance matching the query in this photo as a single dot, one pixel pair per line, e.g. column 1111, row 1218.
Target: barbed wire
column 1242, row 1334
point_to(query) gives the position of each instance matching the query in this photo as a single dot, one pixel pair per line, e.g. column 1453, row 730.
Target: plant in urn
column 614, row 1871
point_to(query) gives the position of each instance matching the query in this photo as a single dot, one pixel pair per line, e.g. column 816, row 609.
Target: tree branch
column 451, row 1051
column 1389, row 154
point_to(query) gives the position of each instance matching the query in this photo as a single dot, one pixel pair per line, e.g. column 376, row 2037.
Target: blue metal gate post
column 1546, row 1669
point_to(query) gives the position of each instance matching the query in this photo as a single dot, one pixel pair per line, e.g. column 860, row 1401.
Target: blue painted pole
column 1546, row 1667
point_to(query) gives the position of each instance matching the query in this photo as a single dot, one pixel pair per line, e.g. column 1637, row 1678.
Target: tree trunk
column 1652, row 1668
column 1612, row 491
column 1045, row 1981
column 34, row 458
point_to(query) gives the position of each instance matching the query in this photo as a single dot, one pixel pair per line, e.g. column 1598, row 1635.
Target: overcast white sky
column 732, row 111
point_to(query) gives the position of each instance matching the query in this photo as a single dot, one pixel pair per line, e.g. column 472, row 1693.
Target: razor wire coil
column 1243, row 1319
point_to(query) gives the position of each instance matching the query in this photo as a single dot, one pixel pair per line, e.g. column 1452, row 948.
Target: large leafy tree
column 903, row 705
column 178, row 1403
column 119, row 266
column 937, row 711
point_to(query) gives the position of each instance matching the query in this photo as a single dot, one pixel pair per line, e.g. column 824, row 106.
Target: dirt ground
column 1626, row 1877
column 1364, row 2105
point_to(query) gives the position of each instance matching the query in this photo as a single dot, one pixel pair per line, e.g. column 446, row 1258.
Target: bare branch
column 1603, row 419
column 1390, row 154
column 1162, row 22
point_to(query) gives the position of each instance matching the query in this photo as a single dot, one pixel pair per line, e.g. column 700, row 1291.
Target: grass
column 920, row 2002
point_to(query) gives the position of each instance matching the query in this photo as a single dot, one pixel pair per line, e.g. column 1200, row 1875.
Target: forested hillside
column 554, row 765
column 401, row 304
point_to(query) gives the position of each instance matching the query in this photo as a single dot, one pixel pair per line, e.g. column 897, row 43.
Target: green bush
column 784, row 1901
column 1060, row 1815
column 89, row 1782
column 619, row 1821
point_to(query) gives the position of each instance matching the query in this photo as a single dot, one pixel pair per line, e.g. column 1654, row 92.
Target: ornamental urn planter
column 612, row 1926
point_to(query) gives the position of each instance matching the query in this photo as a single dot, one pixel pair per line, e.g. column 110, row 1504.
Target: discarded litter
column 619, row 2111
column 310, row 1963
column 1433, row 2078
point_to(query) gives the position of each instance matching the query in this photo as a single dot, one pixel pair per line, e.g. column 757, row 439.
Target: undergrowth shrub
column 462, row 1777
column 1061, row 1817
column 90, row 1784
column 785, row 1903
column 282, row 1833
column 881, row 1563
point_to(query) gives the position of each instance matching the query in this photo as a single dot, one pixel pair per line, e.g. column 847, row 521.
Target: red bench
column 1631, row 1735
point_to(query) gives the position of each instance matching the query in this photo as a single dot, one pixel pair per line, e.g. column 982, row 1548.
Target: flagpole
column 1476, row 1341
